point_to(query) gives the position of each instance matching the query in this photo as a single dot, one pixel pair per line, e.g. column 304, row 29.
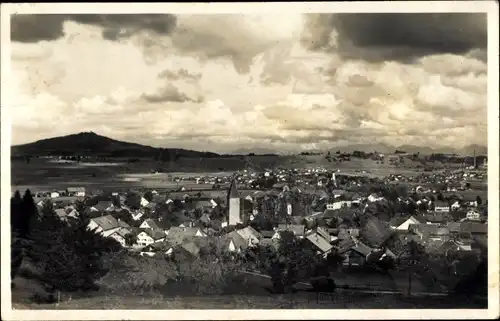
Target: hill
column 92, row 144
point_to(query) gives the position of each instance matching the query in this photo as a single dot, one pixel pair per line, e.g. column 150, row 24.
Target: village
column 363, row 221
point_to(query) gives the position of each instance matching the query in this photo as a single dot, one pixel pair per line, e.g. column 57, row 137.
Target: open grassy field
column 43, row 174
column 304, row 300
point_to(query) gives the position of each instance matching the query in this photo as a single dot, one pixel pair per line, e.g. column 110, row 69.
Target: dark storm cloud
column 117, row 25
column 38, row 27
column 397, row 36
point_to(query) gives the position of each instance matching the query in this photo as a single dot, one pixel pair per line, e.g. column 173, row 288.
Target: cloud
column 232, row 82
column 38, row 27
column 169, row 93
column 391, row 36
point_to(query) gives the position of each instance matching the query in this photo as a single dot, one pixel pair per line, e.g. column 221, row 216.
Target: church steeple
column 233, row 191
column 233, row 199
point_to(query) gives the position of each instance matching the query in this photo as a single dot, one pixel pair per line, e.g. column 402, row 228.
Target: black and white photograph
column 283, row 160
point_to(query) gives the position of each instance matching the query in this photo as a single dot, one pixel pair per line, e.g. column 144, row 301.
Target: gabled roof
column 103, row 205
column 106, row 222
column 75, row 189
column 152, row 224
column 238, row 241
column 191, row 248
column 355, row 245
column 248, row 233
column 180, row 233
column 122, row 231
column 441, row 204
column 431, row 230
column 297, row 229
column 318, row 241
column 375, row 232
column 155, row 234
column 267, row 234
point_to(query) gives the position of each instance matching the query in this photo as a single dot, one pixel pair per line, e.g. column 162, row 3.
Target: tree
column 148, row 196
column 23, row 213
column 130, row 239
column 295, row 261
column 133, row 200
column 412, row 256
column 479, row 200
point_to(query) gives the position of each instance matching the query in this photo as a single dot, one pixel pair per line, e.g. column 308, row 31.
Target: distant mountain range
column 92, row 144
column 386, row 149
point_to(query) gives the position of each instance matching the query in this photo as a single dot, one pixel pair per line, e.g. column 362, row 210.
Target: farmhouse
column 442, row 207
column 337, row 204
column 106, row 225
column 120, row 235
column 148, row 236
column 76, row 191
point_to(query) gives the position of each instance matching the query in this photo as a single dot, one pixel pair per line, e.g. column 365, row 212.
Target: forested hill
column 92, row 144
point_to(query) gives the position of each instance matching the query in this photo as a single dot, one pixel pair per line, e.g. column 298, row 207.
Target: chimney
column 475, row 164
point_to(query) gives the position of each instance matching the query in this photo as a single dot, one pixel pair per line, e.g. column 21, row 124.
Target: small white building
column 144, row 202
column 336, row 205
column 473, row 215
column 54, row 195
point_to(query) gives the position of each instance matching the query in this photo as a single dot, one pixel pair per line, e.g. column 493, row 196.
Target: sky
column 228, row 83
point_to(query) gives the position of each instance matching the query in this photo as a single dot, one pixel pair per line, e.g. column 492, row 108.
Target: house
column 120, row 235
column 469, row 200
column 437, row 218
column 455, row 206
column 375, row 198
column 321, row 244
column 250, row 235
column 76, row 191
column 430, row 232
column 403, row 223
column 296, row 229
column 149, row 224
column 473, row 215
column 106, row 225
column 355, row 252
column 102, row 206
column 441, row 207
column 156, row 248
column 233, row 242
column 267, row 234
column 187, row 251
column 177, row 235
column 204, row 205
column 336, row 193
column 148, row 236
column 137, row 215
column 144, row 202
column 338, row 204
column 205, row 219
column 54, row 195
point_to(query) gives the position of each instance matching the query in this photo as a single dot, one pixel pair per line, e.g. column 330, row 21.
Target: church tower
column 234, row 204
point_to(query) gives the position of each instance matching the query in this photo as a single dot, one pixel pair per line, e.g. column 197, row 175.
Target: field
column 257, row 298
column 117, row 174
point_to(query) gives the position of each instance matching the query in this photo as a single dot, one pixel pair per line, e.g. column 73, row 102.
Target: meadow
column 42, row 174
